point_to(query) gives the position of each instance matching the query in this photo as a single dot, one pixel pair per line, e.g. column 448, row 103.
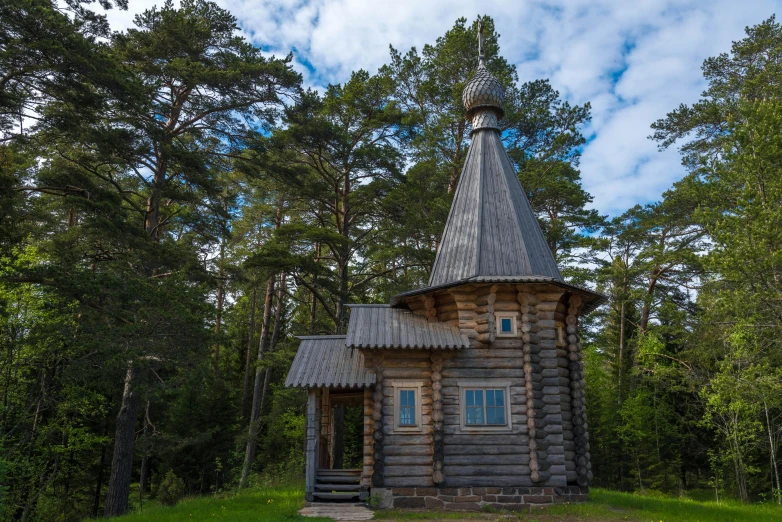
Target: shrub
column 171, row 489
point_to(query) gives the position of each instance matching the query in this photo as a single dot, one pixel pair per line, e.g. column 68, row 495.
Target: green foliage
column 554, row 189
column 695, row 298
column 171, row 489
column 174, row 170
column 3, row 486
column 284, row 440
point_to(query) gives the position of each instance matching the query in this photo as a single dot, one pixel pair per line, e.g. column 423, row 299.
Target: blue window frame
column 484, row 407
column 407, row 408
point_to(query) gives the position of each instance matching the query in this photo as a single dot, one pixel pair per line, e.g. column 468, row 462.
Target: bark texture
column 255, row 411
column 122, row 460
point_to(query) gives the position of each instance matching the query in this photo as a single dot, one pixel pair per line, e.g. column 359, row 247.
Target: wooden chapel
column 472, row 388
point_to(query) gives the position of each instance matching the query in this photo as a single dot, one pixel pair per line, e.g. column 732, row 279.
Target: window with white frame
column 407, row 405
column 485, row 405
column 505, row 324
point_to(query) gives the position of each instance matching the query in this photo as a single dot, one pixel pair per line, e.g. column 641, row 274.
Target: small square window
column 505, row 324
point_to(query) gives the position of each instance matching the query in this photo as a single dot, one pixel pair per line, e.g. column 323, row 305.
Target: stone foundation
column 476, row 499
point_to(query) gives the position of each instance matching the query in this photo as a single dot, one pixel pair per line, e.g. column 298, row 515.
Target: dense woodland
column 175, row 207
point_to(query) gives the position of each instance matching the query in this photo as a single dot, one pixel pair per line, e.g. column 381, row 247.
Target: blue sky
column 634, row 60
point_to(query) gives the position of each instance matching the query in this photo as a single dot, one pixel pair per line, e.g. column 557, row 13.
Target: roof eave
column 592, row 301
column 465, row 344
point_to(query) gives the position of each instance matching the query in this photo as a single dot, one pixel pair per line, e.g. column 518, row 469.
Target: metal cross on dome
column 480, row 43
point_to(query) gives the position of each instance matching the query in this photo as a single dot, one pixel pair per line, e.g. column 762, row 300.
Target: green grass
column 605, row 505
column 280, row 503
column 267, row 504
column 612, row 505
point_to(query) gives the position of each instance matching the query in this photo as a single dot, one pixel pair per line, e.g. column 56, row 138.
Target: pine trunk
column 275, row 339
column 313, row 313
column 220, row 301
column 122, row 460
column 143, row 481
column 314, row 304
column 249, row 357
column 255, row 412
column 621, row 347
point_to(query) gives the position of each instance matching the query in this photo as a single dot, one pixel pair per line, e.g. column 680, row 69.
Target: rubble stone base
column 476, row 499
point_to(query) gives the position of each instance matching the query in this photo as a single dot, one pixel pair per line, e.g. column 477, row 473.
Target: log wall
column 312, row 438
column 490, row 458
column 546, row 446
column 408, row 459
column 549, row 408
column 366, row 472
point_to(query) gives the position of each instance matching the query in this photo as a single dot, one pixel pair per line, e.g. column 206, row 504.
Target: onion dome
column 483, row 91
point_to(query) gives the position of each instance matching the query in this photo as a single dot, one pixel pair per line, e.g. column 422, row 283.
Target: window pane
column 491, row 412
column 506, row 325
column 407, row 416
column 407, row 408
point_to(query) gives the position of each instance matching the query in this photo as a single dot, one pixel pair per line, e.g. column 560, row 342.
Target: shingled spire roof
column 491, row 230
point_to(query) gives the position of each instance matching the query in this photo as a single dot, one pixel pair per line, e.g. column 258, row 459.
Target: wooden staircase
column 337, row 484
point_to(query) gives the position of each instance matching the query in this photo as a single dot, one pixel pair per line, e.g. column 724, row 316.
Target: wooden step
column 338, row 487
column 337, row 480
column 335, row 496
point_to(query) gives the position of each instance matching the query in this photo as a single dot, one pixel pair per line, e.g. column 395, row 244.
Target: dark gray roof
column 326, row 361
column 491, row 229
column 379, row 326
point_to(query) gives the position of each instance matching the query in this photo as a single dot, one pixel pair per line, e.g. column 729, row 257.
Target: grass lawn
column 614, row 506
column 272, row 504
column 267, row 504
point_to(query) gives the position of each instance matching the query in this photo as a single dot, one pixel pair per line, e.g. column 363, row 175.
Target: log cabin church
column 470, row 390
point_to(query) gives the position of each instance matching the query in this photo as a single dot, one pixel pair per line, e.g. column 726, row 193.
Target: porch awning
column 324, row 360
column 379, row 326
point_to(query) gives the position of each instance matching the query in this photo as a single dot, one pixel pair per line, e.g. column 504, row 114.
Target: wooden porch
column 326, row 479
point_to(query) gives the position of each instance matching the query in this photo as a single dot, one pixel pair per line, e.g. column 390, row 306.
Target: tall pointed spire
column 491, row 230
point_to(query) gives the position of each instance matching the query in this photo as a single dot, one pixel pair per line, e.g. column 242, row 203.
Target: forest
column 175, row 207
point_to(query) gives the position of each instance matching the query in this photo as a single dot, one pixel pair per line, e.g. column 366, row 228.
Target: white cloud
column 633, row 60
